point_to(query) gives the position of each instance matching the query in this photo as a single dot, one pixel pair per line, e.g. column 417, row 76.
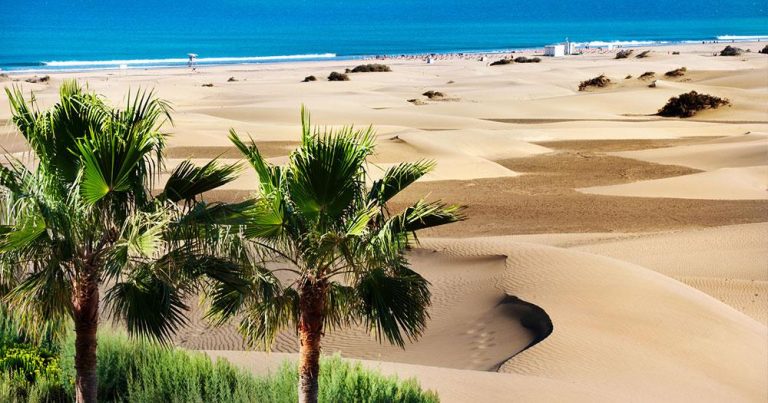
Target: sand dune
column 737, row 151
column 637, row 314
column 628, row 330
column 745, row 183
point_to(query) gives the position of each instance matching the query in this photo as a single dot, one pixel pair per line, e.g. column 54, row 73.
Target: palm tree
column 327, row 252
column 79, row 218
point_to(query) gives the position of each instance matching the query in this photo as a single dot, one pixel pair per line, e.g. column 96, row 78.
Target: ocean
column 91, row 34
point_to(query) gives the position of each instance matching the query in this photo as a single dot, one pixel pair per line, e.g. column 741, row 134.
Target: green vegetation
column 84, row 219
column 140, row 370
column 679, row 72
column 370, row 68
column 336, row 76
column 623, row 54
column 340, row 245
column 688, row 104
column 598, row 82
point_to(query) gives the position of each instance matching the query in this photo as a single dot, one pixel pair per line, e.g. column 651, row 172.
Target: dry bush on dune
column 644, row 54
column 687, row 104
column 647, row 75
column 434, row 94
column 764, row 50
column 208, row 85
column 731, row 51
column 676, row 72
column 502, row 62
column 628, row 76
column 623, row 54
column 370, row 68
column 523, row 59
column 36, row 79
column 336, row 76
column 598, row 82
column 231, row 80
column 308, row 79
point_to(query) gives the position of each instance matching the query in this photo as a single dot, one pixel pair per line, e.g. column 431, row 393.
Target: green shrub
column 676, row 72
column 370, row 68
column 687, row 104
column 599, row 82
column 336, row 76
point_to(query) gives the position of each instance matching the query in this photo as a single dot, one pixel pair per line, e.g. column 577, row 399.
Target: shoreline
column 85, row 66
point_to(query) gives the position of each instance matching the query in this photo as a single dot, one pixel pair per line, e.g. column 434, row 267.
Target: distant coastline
column 55, row 66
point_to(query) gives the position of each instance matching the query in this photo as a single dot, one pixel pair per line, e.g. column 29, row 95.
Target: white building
column 554, row 50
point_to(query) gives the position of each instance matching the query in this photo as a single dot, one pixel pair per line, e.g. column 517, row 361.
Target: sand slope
column 746, row 183
column 628, row 330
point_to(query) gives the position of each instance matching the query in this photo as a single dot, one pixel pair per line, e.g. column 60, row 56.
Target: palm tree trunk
column 86, row 314
column 311, row 307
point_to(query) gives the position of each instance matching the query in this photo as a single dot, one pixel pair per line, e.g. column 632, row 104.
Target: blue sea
column 93, row 34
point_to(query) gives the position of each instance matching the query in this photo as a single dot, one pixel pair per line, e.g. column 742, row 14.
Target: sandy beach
column 609, row 254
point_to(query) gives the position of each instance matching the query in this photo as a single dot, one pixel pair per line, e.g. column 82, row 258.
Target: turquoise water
column 81, row 34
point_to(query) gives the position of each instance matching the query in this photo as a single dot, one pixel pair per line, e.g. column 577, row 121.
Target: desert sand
column 609, row 255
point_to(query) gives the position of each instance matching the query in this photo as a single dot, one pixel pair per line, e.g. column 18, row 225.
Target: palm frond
column 394, row 303
column 269, row 176
column 188, row 181
column 147, row 305
column 326, row 172
column 397, row 178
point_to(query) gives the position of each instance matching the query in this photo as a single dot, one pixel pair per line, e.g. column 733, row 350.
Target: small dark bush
column 208, row 85
column 416, row 101
column 675, row 53
column 599, row 81
column 628, row 76
column 676, row 72
column 433, row 94
column 36, row 79
column 502, row 62
column 687, row 104
column 231, row 80
column 370, row 68
column 623, row 54
column 647, row 75
column 335, row 76
column 764, row 50
column 644, row 54
column 731, row 51
column 308, row 79
column 523, row 59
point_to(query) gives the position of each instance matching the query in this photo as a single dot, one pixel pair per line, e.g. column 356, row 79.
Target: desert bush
column 675, row 53
column 523, row 59
column 335, row 76
column 599, row 81
column 370, row 68
column 36, row 79
column 676, row 72
column 644, row 54
column 764, row 50
column 623, row 54
column 731, row 51
column 433, row 94
column 647, row 75
column 688, row 104
column 502, row 62
column 231, row 80
column 208, row 85
column 308, row 79
column 628, row 76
